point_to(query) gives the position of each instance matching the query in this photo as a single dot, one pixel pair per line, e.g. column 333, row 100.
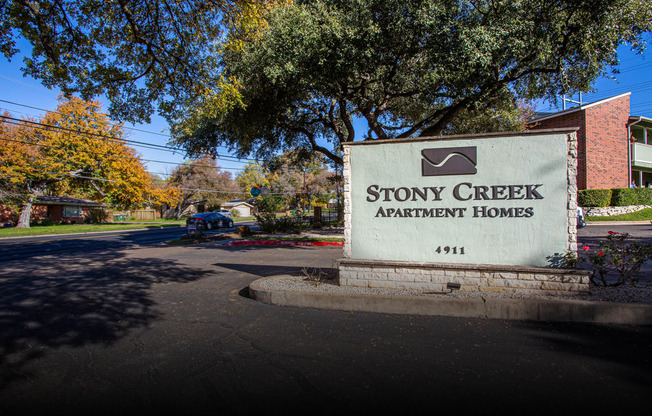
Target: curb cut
column 492, row 308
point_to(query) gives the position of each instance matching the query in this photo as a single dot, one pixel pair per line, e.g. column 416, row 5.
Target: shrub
column 594, row 197
column 97, row 216
column 631, row 196
column 269, row 223
column 243, row 230
column 614, row 256
column 41, row 223
column 269, row 203
column 266, row 221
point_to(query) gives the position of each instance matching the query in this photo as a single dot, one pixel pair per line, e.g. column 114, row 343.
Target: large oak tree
column 408, row 68
column 262, row 76
column 143, row 55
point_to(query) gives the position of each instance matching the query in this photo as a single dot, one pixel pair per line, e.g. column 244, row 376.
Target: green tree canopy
column 138, row 53
column 253, row 174
column 409, row 68
column 298, row 176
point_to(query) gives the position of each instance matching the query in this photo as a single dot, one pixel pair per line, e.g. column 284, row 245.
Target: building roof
column 640, row 119
column 66, row 200
column 236, row 202
column 545, row 116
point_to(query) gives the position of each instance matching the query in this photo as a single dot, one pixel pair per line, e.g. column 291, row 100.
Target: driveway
column 163, row 329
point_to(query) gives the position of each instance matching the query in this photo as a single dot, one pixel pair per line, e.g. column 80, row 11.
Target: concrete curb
column 492, row 308
column 645, row 222
column 284, row 243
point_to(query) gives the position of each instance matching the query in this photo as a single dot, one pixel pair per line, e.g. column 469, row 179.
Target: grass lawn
column 86, row 228
column 642, row 215
column 89, row 228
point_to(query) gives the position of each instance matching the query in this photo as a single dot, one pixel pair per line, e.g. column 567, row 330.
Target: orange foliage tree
column 74, row 151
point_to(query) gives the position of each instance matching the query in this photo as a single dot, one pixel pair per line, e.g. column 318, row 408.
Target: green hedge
column 594, row 197
column 617, row 197
column 631, row 196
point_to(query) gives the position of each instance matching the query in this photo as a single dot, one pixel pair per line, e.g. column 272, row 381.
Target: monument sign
column 499, row 203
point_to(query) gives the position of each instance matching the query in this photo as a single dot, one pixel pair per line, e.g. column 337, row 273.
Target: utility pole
column 564, row 99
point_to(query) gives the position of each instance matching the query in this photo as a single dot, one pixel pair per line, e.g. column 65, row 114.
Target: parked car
column 210, row 220
column 224, row 212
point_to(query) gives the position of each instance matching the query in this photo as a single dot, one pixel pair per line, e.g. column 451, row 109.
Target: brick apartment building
column 613, row 149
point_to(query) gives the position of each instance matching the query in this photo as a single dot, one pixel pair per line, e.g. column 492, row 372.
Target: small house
column 64, row 209
column 58, row 209
column 243, row 208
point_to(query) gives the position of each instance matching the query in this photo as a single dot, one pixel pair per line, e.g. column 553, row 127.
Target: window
column 72, row 211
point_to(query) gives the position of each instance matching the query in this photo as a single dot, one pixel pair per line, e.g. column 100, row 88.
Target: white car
column 224, row 212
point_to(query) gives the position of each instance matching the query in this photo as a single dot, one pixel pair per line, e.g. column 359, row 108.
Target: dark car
column 210, row 220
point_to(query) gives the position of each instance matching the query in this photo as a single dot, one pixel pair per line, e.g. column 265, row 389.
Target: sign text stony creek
column 464, row 191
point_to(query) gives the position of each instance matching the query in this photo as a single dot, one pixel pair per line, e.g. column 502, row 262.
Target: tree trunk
column 179, row 208
column 25, row 214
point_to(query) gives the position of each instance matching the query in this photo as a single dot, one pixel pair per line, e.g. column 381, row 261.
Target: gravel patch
column 642, row 293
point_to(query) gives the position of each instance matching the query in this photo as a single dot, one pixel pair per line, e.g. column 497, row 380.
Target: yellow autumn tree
column 162, row 192
column 75, row 150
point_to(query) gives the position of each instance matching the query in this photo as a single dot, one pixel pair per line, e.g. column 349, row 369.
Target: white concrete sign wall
column 496, row 199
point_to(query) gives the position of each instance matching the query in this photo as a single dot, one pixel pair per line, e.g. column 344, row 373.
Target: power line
column 168, row 148
column 44, row 126
column 134, row 142
column 93, row 178
column 120, row 156
column 47, row 127
column 110, row 180
column 56, row 112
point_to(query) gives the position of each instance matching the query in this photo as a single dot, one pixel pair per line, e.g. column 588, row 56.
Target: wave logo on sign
column 449, row 161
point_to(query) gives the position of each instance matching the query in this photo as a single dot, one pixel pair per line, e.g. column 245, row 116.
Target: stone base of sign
column 444, row 277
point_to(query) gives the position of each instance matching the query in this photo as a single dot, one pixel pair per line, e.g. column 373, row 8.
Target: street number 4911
column 449, row 250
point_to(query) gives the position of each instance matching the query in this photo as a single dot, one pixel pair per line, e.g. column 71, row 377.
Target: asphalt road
column 161, row 329
column 92, row 243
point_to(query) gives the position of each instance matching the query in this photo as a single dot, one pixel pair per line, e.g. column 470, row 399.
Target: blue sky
column 24, row 96
column 635, row 77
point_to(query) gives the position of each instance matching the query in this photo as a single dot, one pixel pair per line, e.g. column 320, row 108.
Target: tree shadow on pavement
column 269, row 260
column 75, row 301
column 625, row 346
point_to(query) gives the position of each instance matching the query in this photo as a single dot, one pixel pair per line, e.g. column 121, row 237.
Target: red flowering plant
column 615, row 262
